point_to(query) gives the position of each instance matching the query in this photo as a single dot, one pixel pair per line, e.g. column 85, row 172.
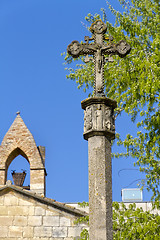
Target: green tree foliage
column 131, row 223
column 134, row 82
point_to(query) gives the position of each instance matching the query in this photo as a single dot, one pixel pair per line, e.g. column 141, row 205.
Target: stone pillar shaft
column 100, row 188
column 99, row 130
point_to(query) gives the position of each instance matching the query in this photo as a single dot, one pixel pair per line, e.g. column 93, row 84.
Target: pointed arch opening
column 18, row 161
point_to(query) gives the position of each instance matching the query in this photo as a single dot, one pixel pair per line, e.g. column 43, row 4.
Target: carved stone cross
column 98, row 49
column 99, row 128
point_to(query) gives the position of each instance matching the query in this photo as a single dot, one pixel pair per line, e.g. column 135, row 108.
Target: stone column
column 99, row 130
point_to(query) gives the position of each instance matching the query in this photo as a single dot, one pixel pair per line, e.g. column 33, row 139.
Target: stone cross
column 100, row 47
column 99, row 129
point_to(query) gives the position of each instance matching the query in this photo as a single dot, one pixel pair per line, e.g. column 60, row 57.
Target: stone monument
column 99, row 128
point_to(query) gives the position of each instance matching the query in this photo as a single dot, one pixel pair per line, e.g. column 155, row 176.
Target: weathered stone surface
column 43, row 231
column 6, row 220
column 15, row 231
column 20, row 221
column 59, row 232
column 51, row 212
column 100, row 188
column 31, row 210
column 99, row 129
column 11, row 200
column 17, row 210
column 51, row 221
column 34, row 220
column 39, row 211
column 3, row 231
column 3, row 211
column 74, row 231
column 27, row 232
column 99, row 117
column 19, row 141
column 22, row 202
column 65, row 221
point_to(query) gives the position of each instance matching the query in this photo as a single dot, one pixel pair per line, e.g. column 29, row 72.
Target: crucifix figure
column 100, row 47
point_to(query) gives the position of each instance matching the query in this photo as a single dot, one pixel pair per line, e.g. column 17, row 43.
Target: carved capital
column 99, row 117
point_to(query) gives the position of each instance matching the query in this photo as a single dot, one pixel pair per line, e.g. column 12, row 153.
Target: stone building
column 26, row 213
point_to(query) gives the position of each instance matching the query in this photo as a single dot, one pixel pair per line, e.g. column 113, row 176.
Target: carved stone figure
column 109, row 119
column 88, row 119
column 99, row 117
column 99, row 60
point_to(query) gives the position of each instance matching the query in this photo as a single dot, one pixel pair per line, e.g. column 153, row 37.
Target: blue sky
column 34, row 33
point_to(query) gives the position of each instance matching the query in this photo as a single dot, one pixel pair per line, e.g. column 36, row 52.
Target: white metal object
column 132, row 195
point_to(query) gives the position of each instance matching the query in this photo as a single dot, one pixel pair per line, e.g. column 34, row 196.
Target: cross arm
column 76, row 49
column 122, row 48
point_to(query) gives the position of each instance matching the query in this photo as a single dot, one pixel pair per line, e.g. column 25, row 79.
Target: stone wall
column 24, row 218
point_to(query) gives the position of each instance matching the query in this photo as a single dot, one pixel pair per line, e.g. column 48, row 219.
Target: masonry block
column 3, row 211
column 27, row 232
column 74, row 231
column 3, row 231
column 42, row 231
column 23, row 202
column 6, row 220
column 65, row 221
column 31, row 210
column 18, row 211
column 15, row 231
column 40, row 211
column 51, row 221
column 20, row 221
column 34, row 220
column 10, row 200
column 59, row 232
column 51, row 213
